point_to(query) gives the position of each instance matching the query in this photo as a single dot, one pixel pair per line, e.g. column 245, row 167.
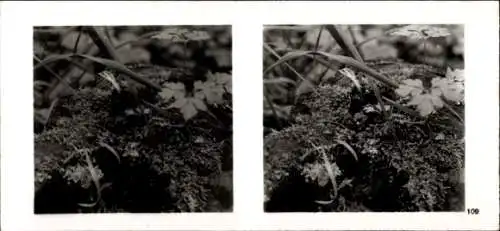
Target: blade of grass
column 95, row 178
column 307, row 82
column 344, row 42
column 290, row 28
column 112, row 64
column 271, row 105
column 111, row 149
column 402, row 108
column 338, row 58
column 52, row 72
column 327, row 165
column 347, row 45
column 348, row 147
column 141, row 37
column 75, row 47
column 279, row 80
column 316, row 45
column 98, row 35
column 344, row 60
column 355, row 42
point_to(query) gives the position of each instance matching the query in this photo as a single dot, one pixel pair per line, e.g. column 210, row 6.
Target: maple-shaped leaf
column 208, row 90
column 455, row 75
column 410, row 87
column 173, row 34
column 451, row 90
column 170, row 90
column 197, row 35
column 182, row 35
column 225, row 80
column 420, row 32
column 426, row 103
column 189, row 106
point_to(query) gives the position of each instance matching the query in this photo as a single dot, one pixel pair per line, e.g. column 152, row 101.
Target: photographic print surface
column 134, row 119
column 363, row 118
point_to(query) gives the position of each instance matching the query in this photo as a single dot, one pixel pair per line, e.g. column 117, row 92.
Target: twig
column 75, row 48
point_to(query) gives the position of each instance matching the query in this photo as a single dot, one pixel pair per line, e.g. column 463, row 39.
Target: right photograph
column 364, row 118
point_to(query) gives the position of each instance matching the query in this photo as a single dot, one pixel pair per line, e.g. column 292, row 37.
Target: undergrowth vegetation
column 363, row 118
column 133, row 119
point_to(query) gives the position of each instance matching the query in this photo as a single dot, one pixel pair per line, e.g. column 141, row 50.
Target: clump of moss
column 400, row 164
column 149, row 162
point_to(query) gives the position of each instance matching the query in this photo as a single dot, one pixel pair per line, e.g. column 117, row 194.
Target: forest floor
column 334, row 151
column 122, row 149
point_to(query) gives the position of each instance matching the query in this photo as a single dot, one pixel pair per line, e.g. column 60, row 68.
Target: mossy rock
column 401, row 164
column 149, row 162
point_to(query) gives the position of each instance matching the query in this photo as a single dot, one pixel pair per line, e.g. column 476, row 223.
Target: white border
column 247, row 18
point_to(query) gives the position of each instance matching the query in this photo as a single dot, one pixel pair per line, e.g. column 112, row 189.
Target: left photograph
column 132, row 119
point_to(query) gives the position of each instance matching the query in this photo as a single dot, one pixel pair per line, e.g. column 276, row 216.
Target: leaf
column 188, row 110
column 325, row 40
column 182, row 35
column 304, row 87
column 410, row 87
column 111, row 64
column 173, row 34
column 347, row 72
column 298, row 28
column 108, row 76
column 223, row 79
column 426, row 103
column 455, row 75
column 179, row 103
column 197, row 35
column 420, row 32
column 69, row 41
column 175, row 90
column 348, row 147
column 111, row 149
column 189, row 106
column 352, row 63
column 209, row 90
column 439, row 136
column 345, row 182
column 198, row 104
column 324, row 202
column 279, row 80
column 450, row 90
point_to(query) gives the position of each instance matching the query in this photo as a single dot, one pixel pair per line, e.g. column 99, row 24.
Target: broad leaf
column 188, row 110
column 410, row 87
column 426, row 103
column 179, row 103
column 175, row 90
column 455, row 75
column 182, row 35
column 198, row 104
column 208, row 90
column 189, row 106
column 449, row 89
column 420, row 32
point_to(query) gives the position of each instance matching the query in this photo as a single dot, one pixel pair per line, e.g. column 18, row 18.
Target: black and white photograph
column 249, row 115
column 364, row 118
column 132, row 119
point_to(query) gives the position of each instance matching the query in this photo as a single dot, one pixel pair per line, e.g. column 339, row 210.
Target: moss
column 164, row 164
column 400, row 166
